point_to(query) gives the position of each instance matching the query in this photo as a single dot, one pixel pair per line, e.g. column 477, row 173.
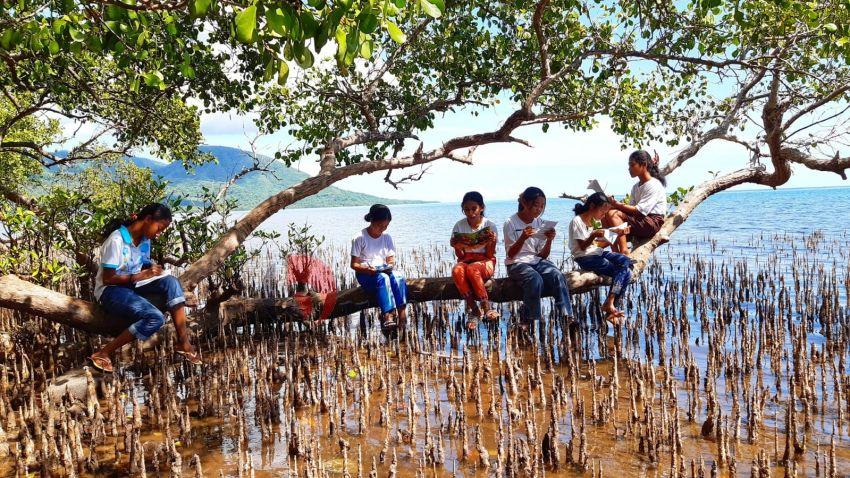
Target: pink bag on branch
column 320, row 282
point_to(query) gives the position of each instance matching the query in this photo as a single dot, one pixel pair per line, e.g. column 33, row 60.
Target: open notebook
column 145, row 282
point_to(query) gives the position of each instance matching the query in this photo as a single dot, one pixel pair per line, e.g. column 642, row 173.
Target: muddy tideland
column 728, row 366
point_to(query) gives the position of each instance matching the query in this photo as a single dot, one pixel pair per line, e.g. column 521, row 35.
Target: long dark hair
column 378, row 212
column 643, row 158
column 475, row 197
column 155, row 211
column 592, row 201
column 530, row 194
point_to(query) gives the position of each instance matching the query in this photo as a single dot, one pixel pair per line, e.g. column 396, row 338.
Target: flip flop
column 492, row 315
column 191, row 357
column 613, row 318
column 102, row 364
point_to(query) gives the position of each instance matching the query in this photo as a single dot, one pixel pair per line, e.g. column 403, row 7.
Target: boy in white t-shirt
column 373, row 259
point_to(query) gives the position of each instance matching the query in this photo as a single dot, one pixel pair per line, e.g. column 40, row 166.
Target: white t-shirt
column 650, row 197
column 463, row 227
column 579, row 231
column 528, row 252
column 371, row 251
column 119, row 253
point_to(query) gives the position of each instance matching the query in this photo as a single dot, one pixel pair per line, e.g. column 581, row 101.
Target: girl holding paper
column 590, row 257
column 474, row 241
column 125, row 260
column 373, row 258
column 528, row 241
column 648, row 207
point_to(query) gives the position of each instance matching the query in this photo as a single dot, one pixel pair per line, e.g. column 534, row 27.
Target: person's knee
column 382, row 281
column 156, row 320
column 613, row 216
column 150, row 323
column 533, row 282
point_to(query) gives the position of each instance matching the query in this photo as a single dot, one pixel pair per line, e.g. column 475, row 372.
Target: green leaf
column 367, row 21
column 270, row 70
column 341, row 42
column 366, row 50
column 275, row 21
column 76, row 34
column 309, row 25
column 303, row 56
column 395, row 32
column 199, row 8
column 187, row 70
column 282, row 73
column 441, row 4
column 154, row 79
column 831, row 27
column 430, row 9
column 6, row 40
column 321, row 36
column 246, row 24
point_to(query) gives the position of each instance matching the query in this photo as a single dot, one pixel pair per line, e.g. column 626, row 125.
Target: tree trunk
column 429, row 289
column 18, row 294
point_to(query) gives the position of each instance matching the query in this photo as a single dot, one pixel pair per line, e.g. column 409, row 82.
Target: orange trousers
column 472, row 276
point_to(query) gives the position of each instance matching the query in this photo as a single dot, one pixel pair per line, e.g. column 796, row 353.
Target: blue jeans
column 611, row 264
column 390, row 289
column 127, row 302
column 537, row 279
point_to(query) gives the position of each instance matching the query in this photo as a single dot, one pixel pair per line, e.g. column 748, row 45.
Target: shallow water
column 719, row 325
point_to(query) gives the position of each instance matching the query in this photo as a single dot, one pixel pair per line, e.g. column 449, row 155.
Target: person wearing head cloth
column 373, row 261
column 648, row 205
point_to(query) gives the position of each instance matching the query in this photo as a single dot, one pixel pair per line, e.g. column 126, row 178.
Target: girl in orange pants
column 474, row 241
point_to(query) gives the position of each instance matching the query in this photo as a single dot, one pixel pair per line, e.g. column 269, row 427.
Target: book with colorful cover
column 478, row 237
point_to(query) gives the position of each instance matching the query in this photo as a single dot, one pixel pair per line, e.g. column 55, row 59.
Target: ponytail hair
column 530, row 194
column 378, row 212
column 155, row 211
column 593, row 201
column 643, row 158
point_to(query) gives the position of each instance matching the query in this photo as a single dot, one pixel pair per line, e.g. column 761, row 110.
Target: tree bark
column 18, row 294
column 23, row 296
column 428, row 289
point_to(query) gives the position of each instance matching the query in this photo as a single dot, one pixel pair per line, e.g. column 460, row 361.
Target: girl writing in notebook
column 586, row 245
column 125, row 260
column 373, row 259
column 527, row 247
column 474, row 241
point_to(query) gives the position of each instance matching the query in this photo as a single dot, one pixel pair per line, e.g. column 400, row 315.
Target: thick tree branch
column 542, row 40
column 719, row 131
column 837, row 164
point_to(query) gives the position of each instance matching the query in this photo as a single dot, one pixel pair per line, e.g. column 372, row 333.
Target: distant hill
column 255, row 187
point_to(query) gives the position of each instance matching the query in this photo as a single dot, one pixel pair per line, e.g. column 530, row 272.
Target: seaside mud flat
column 731, row 366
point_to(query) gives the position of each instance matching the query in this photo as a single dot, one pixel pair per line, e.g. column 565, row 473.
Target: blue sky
column 559, row 161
